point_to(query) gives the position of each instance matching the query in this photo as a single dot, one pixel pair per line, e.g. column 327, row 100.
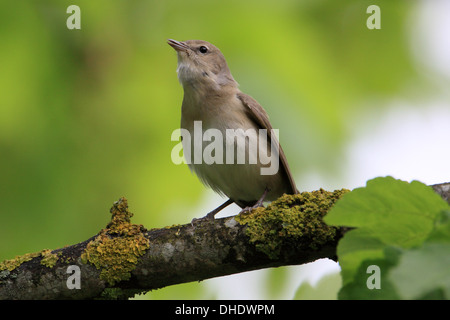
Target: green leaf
column 423, row 271
column 441, row 231
column 355, row 247
column 386, row 213
column 386, row 200
column 359, row 290
column 427, row 266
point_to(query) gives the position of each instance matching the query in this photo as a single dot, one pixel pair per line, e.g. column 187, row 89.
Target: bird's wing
column 259, row 115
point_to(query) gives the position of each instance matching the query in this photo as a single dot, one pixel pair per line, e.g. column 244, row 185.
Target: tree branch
column 443, row 189
column 124, row 259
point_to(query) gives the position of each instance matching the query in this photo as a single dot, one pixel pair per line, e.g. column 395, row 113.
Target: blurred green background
column 86, row 115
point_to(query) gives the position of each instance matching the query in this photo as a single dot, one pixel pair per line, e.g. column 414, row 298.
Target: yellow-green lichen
column 291, row 219
column 117, row 248
column 49, row 259
column 12, row 264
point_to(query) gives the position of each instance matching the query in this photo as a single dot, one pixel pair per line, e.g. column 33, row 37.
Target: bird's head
column 201, row 63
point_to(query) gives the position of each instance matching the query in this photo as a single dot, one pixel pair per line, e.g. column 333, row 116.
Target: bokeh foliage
column 86, row 115
column 395, row 221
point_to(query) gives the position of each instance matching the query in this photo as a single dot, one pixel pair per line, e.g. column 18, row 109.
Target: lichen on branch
column 125, row 258
column 291, row 219
column 117, row 248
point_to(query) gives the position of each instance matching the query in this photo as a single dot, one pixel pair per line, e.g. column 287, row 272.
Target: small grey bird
column 212, row 96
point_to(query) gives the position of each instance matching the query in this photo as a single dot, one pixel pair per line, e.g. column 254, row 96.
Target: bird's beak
column 178, row 45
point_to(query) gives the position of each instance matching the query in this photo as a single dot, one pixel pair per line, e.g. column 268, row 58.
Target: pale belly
column 230, row 161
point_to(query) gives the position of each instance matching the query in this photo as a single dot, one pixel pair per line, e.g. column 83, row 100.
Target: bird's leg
column 210, row 215
column 258, row 203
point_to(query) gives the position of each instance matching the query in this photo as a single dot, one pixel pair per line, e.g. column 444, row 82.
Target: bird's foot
column 249, row 209
column 258, row 203
column 210, row 215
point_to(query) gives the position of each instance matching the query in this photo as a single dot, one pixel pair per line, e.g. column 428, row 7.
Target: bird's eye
column 203, row 49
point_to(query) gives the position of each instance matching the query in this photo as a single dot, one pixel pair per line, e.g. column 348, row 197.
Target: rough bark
column 124, row 259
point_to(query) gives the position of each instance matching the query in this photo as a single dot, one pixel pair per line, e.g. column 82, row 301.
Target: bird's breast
column 224, row 149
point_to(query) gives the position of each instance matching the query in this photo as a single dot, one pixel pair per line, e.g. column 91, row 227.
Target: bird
column 213, row 99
